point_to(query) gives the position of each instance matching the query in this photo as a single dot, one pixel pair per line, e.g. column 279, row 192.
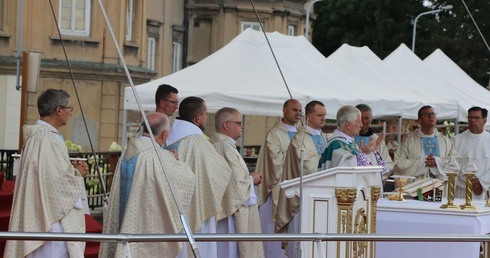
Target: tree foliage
column 383, row 25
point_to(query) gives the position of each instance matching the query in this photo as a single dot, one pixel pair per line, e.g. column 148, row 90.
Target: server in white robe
column 269, row 164
column 48, row 189
column 309, row 142
column 425, row 151
column 212, row 172
column 239, row 205
column 342, row 150
column 141, row 201
column 475, row 143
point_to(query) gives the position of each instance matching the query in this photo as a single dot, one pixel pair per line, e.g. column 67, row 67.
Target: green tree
column 383, row 25
column 460, row 40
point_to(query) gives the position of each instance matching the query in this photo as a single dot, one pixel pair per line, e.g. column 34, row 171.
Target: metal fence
column 107, row 162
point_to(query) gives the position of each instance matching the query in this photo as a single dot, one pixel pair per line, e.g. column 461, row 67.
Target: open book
column 426, row 185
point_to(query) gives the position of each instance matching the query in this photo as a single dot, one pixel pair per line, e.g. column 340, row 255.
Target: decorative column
column 345, row 201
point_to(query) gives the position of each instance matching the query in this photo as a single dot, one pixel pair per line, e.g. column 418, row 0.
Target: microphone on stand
column 301, row 172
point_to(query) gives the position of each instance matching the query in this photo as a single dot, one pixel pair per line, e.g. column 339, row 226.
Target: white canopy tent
column 408, row 66
column 244, row 75
column 470, row 92
column 364, row 66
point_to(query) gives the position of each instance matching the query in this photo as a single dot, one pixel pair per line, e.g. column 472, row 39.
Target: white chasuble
column 477, row 146
column 149, row 207
column 46, row 192
column 239, row 201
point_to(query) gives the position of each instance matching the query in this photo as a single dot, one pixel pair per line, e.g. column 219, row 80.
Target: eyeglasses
column 474, row 117
column 176, row 103
column 239, row 123
column 70, row 108
column 429, row 114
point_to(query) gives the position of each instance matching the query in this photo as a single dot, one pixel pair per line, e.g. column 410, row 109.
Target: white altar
column 338, row 200
column 414, row 217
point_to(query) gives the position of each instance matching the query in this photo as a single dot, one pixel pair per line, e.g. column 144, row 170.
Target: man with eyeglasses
column 239, row 204
column 166, row 99
column 49, row 188
column 425, row 151
column 475, row 143
column 312, row 141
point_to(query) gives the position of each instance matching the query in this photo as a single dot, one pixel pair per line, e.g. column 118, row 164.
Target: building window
column 292, row 30
column 252, row 25
column 129, row 20
column 151, row 53
column 177, row 53
column 2, row 14
column 75, row 17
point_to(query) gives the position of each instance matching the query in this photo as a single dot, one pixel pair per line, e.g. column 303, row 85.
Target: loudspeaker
column 34, row 65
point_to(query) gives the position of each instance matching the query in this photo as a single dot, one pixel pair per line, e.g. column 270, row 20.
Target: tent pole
column 242, row 139
column 399, row 136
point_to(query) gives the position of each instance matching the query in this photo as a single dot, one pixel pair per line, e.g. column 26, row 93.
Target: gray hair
column 364, row 107
column 347, row 114
column 222, row 116
column 51, row 99
column 158, row 123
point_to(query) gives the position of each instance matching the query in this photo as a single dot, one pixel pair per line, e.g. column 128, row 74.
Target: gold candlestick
column 451, row 176
column 469, row 170
column 469, row 193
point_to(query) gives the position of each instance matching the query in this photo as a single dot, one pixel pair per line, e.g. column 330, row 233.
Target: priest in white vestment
column 425, row 151
column 474, row 143
column 211, row 170
column 239, row 213
column 49, row 189
column 141, row 201
column 342, row 150
column 312, row 141
column 366, row 134
column 269, row 164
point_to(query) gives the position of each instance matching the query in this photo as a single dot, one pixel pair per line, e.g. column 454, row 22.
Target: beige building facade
column 156, row 37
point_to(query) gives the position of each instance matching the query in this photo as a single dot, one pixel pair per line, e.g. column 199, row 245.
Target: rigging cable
column 476, row 25
column 97, row 168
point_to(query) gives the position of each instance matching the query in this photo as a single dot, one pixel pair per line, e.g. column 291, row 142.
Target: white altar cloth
column 414, row 217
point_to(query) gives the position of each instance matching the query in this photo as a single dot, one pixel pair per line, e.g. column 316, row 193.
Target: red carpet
column 6, row 195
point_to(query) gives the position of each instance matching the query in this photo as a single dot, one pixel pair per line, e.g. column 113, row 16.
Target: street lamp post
column 307, row 25
column 444, row 8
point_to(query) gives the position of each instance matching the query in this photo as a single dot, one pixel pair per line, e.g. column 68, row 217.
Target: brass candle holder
column 452, row 169
column 451, row 179
column 469, row 193
column 469, row 170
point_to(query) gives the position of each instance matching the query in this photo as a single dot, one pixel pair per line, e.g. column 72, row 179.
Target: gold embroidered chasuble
column 212, row 177
column 238, row 192
column 288, row 207
column 410, row 156
column 270, row 164
column 150, row 206
column 46, row 191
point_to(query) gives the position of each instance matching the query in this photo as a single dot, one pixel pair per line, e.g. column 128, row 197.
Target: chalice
column 400, row 182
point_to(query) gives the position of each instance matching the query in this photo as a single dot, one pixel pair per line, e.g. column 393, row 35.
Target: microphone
column 301, row 114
